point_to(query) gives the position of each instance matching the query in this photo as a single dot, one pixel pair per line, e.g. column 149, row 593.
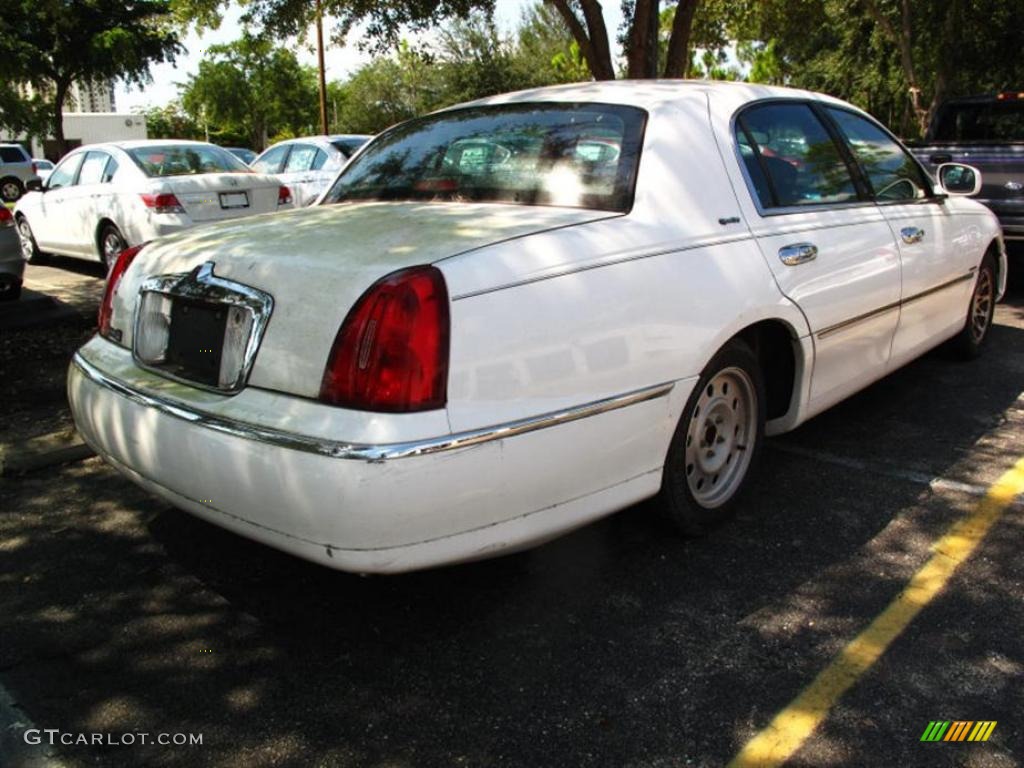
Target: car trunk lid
column 317, row 262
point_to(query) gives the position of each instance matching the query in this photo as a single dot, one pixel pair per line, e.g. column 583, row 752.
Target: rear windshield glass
column 577, row 155
column 348, row 147
column 996, row 121
column 185, row 160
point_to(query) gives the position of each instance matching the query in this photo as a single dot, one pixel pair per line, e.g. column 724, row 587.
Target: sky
column 341, row 61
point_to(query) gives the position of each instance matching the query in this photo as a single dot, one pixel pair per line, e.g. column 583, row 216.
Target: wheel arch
column 98, row 232
column 776, row 345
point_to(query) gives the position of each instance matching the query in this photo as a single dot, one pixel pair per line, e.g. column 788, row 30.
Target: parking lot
column 619, row 645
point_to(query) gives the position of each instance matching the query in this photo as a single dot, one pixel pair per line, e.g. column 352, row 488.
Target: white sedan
column 510, row 318
column 309, row 165
column 102, row 198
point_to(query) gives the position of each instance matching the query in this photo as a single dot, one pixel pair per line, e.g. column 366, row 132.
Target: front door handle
column 912, row 235
column 798, row 253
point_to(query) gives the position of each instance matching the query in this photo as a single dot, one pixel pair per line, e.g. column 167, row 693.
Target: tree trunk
column 60, row 93
column 642, row 43
column 592, row 39
column 677, row 64
column 903, row 38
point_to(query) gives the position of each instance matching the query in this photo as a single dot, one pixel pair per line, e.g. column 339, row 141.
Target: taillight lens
column 124, row 260
column 284, row 196
column 6, row 219
column 35, row 169
column 391, row 353
column 163, row 203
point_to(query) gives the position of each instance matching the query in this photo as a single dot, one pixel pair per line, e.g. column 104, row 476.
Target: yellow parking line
column 793, row 725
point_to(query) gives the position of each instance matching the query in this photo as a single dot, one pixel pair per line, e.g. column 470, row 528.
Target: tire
column 11, row 189
column 970, row 342
column 12, row 293
column 716, row 447
column 111, row 243
column 29, row 249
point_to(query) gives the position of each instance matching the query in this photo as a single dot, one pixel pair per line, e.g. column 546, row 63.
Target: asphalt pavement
column 619, row 645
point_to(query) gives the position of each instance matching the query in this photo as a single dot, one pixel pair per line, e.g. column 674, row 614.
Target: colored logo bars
column 958, row 730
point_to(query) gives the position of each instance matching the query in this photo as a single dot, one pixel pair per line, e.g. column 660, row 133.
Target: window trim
column 103, row 171
column 930, row 197
column 865, row 197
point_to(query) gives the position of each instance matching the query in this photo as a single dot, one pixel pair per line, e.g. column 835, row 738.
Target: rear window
column 994, row 121
column 185, row 160
column 12, row 155
column 577, row 155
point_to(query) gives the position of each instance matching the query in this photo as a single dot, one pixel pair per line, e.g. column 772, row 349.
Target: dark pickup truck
column 986, row 132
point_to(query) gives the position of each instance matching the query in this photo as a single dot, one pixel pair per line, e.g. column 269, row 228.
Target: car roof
column 142, row 143
column 647, row 94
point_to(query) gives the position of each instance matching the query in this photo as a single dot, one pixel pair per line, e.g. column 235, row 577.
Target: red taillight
column 6, row 219
column 124, row 260
column 284, row 196
column 391, row 353
column 35, row 169
column 163, row 203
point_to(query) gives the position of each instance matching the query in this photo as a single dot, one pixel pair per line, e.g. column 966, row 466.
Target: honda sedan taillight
column 284, row 196
column 391, row 353
column 163, row 203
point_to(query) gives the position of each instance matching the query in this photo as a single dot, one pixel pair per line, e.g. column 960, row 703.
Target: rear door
column 935, row 245
column 828, row 246
column 85, row 200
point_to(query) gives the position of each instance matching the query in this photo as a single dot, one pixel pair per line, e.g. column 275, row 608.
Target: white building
column 89, row 128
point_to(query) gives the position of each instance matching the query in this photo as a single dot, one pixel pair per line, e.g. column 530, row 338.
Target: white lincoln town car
column 512, row 317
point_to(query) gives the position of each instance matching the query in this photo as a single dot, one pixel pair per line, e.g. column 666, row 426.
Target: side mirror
column 959, row 179
column 34, row 185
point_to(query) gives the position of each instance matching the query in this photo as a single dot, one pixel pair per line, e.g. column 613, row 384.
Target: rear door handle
column 798, row 253
column 912, row 235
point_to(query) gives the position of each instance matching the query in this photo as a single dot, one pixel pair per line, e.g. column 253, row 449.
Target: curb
column 42, row 452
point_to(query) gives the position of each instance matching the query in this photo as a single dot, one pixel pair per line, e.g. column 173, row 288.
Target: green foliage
column 471, row 59
column 53, row 43
column 251, row 90
column 170, row 122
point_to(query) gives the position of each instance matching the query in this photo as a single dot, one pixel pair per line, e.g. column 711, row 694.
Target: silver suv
column 16, row 168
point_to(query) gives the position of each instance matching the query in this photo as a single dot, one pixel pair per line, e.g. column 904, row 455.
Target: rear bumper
column 382, row 508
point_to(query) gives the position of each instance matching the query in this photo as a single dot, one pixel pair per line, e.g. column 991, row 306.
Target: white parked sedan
column 513, row 317
column 102, row 198
column 309, row 165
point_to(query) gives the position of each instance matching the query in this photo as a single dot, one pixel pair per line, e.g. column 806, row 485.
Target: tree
column 170, row 122
column 54, row 43
column 250, row 90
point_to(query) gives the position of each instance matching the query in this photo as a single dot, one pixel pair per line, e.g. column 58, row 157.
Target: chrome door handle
column 798, row 253
column 912, row 235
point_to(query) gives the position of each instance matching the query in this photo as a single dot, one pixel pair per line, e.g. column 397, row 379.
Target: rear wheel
column 715, row 450
column 11, row 291
column 112, row 242
column 980, row 310
column 10, row 189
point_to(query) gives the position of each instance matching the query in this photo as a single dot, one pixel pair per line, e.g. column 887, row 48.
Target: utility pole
column 320, row 61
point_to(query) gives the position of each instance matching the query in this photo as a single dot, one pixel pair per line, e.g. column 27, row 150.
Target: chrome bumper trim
column 358, row 451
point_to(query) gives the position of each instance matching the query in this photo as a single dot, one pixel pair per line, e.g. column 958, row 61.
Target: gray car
column 12, row 261
column 16, row 170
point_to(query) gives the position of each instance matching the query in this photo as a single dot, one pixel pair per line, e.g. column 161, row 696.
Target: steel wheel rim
column 25, row 232
column 720, row 437
column 981, row 305
column 112, row 246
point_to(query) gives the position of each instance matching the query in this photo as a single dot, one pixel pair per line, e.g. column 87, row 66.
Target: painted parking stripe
column 791, row 727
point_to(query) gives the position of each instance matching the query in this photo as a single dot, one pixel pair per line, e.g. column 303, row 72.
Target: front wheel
column 29, row 249
column 715, row 450
column 980, row 310
column 112, row 242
